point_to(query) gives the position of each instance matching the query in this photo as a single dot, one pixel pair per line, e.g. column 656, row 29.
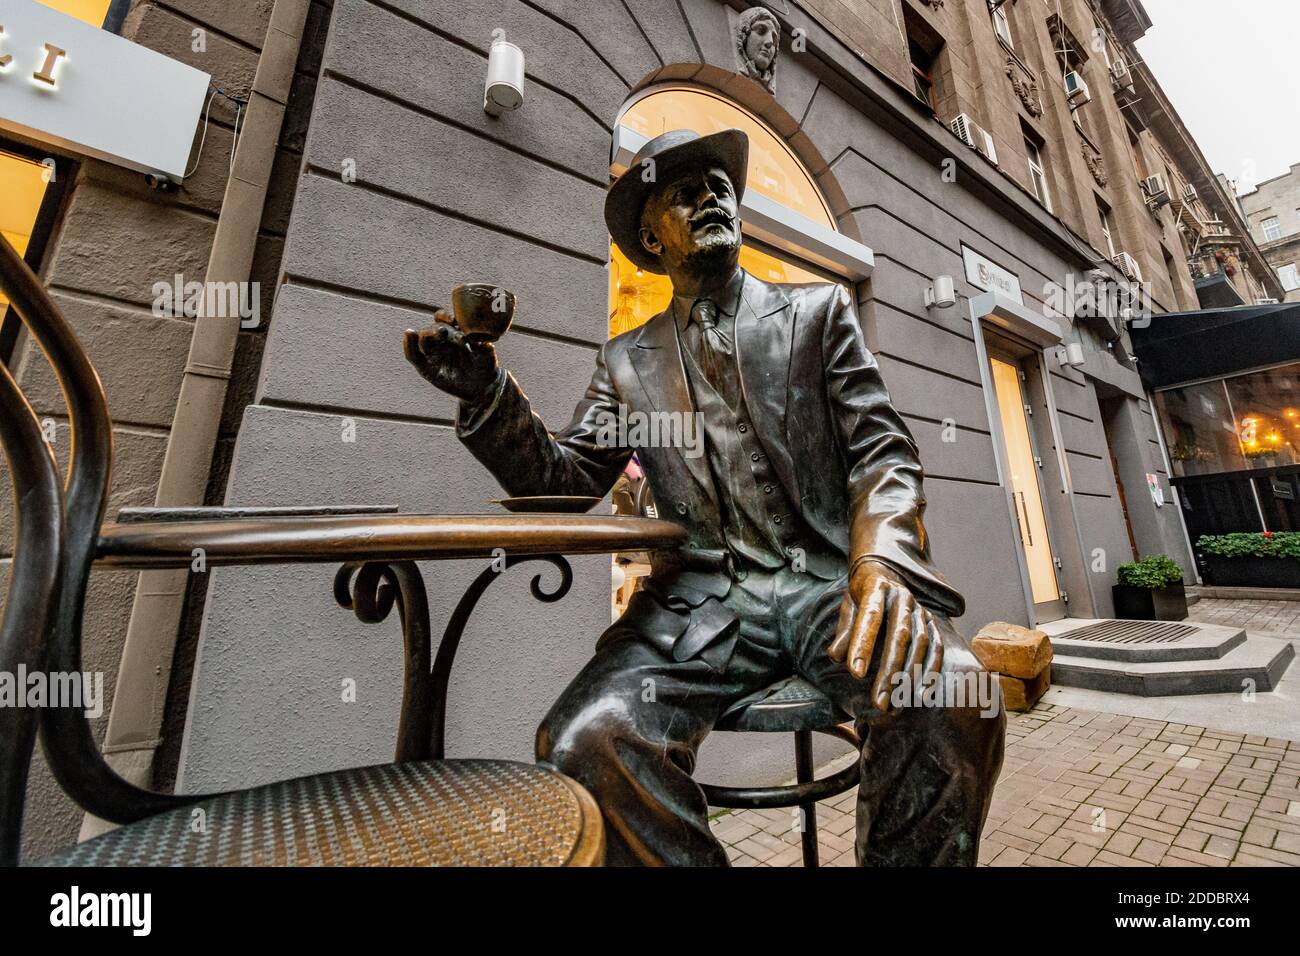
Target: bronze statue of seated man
column 803, row 504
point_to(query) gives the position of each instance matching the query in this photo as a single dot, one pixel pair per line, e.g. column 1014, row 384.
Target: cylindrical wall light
column 504, row 89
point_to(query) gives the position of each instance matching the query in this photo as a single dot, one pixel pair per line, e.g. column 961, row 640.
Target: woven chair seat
column 426, row 813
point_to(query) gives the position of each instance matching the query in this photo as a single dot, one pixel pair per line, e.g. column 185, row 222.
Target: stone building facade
column 390, row 184
column 1272, row 211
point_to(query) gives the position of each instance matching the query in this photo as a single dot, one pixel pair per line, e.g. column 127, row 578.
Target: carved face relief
column 758, row 44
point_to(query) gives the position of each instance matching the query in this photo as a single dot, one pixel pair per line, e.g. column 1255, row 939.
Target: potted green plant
column 1268, row 559
column 1151, row 590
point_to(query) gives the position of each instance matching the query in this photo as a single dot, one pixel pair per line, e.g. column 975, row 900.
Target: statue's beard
column 715, row 247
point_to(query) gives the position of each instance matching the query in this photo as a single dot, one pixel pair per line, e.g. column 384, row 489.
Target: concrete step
column 1142, row 642
column 1214, row 592
column 1260, row 660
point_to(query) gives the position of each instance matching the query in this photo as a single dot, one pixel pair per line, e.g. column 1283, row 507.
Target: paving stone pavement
column 1081, row 788
column 1086, row 789
column 1276, row 617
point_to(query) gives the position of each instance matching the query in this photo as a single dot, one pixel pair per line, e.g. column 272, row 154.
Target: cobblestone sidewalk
column 1272, row 616
column 1088, row 789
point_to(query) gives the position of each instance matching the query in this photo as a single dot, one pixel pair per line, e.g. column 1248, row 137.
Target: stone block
column 1020, row 695
column 1012, row 650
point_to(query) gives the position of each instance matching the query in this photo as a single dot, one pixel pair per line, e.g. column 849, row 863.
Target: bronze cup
column 483, row 310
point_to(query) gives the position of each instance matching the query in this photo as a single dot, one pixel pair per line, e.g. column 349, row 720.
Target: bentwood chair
column 419, row 810
column 791, row 706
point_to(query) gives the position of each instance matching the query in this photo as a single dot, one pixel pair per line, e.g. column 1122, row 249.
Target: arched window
column 790, row 234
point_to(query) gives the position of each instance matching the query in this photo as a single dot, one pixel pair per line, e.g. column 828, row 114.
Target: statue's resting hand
column 879, row 608
column 447, row 359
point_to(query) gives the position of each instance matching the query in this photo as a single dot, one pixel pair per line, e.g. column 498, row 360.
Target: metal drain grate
column 1130, row 632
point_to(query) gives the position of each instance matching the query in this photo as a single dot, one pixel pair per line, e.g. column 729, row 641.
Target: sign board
column 1282, row 489
column 984, row 273
column 85, row 90
column 1157, row 493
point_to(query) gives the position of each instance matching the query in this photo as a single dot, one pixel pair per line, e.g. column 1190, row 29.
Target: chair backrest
column 66, row 735
column 30, row 605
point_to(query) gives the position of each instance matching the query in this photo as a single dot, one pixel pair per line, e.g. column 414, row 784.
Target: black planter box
column 1251, row 572
column 1150, row 604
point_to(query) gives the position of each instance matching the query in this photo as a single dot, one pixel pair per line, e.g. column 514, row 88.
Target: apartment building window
column 1002, row 25
column 1290, row 277
column 1171, row 268
column 925, row 50
column 1101, row 43
column 1272, row 228
column 1139, row 158
column 1038, row 172
column 1107, row 228
column 923, row 75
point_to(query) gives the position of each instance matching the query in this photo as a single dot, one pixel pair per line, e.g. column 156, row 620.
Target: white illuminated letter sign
column 74, row 87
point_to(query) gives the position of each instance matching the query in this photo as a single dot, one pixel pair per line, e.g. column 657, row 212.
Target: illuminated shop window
column 24, row 184
column 636, row 296
column 1234, row 424
column 91, row 11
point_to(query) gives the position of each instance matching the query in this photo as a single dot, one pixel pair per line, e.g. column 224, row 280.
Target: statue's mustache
column 714, row 214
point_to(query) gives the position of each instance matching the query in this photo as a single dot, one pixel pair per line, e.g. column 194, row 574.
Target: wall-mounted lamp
column 504, row 89
column 941, row 294
column 1071, row 355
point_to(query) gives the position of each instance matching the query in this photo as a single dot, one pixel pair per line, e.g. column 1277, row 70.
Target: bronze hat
column 672, row 152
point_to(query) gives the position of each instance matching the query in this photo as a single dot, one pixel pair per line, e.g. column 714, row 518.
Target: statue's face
column 761, row 44
column 692, row 222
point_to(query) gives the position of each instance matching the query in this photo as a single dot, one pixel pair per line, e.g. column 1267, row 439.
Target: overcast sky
column 1232, row 70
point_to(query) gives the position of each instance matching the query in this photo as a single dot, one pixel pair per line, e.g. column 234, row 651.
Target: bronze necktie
column 714, row 344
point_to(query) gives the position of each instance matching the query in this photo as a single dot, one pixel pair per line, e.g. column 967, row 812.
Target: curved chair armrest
column 325, row 539
column 205, row 513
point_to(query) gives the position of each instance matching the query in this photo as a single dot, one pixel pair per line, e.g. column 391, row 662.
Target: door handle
column 1025, row 520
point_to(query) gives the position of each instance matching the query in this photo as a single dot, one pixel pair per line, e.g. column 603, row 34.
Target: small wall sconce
column 941, row 294
column 1071, row 355
column 504, row 89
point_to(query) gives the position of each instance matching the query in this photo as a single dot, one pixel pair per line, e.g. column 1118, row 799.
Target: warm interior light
column 639, row 296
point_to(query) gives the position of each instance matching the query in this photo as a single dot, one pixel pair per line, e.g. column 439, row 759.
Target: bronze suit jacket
column 819, row 408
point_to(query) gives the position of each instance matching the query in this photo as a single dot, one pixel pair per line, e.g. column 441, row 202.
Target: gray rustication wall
column 114, row 240
column 444, row 194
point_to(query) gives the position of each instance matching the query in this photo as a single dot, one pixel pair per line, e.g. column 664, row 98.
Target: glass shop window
column 25, row 182
column 1235, row 424
column 774, row 171
column 91, row 11
column 636, row 296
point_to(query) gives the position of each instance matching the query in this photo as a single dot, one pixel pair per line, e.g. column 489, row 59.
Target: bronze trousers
column 630, row 725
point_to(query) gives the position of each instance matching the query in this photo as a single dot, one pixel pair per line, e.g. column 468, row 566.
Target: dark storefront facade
column 1226, row 388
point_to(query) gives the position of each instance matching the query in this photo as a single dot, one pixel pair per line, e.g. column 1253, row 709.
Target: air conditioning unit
column 1076, row 89
column 975, row 136
column 1266, row 302
column 1129, row 266
column 1189, row 193
column 1156, row 189
column 1122, row 76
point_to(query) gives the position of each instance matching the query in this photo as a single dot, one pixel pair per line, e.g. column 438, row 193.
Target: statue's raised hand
column 447, row 358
